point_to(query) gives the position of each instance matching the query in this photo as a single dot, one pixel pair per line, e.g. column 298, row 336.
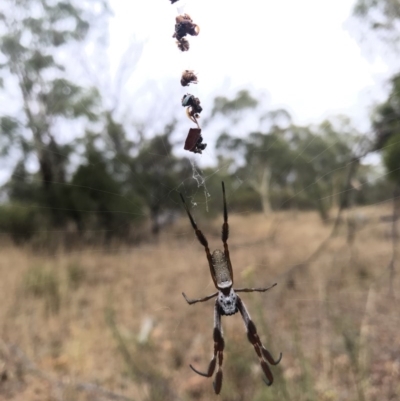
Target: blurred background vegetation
column 105, row 181
column 109, row 181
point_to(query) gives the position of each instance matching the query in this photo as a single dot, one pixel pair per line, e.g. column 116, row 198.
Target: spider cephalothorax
column 227, row 303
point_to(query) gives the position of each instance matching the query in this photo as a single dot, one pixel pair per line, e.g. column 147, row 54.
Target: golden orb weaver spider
column 227, row 303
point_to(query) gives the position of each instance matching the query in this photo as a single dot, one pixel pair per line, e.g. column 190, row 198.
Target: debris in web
column 188, row 77
column 201, row 183
column 183, row 45
column 184, row 26
column 193, row 108
column 194, row 140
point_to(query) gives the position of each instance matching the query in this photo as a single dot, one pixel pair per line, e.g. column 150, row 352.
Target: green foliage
column 53, row 24
column 381, row 20
column 42, row 282
column 18, row 221
column 28, row 46
column 391, row 157
column 38, row 61
column 156, row 173
column 22, row 186
column 265, row 156
column 319, row 167
column 242, row 101
column 97, row 199
column 63, row 98
column 386, row 122
column 118, row 181
column 8, row 130
column 379, row 14
column 292, row 166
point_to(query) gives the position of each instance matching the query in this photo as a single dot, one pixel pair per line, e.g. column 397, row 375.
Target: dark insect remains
column 183, row 45
column 184, row 26
column 194, row 141
column 227, row 303
column 188, row 77
column 192, row 104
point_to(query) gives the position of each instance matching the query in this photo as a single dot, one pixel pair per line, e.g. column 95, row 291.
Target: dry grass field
column 96, row 325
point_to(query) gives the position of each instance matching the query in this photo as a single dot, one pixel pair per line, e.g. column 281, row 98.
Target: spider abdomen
column 221, row 269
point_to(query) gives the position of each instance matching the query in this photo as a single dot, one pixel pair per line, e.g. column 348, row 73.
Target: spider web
column 201, row 183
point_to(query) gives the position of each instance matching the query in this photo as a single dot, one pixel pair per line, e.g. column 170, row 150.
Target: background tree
column 386, row 119
column 156, row 173
column 381, row 17
column 255, row 155
column 33, row 31
column 99, row 202
column 386, row 122
column 285, row 164
column 322, row 155
column 265, row 156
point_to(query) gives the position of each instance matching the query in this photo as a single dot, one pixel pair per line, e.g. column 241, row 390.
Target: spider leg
column 202, row 239
column 262, row 353
column 255, row 289
column 194, row 301
column 225, row 232
column 219, row 345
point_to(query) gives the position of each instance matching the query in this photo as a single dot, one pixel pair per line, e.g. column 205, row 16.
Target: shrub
column 18, row 221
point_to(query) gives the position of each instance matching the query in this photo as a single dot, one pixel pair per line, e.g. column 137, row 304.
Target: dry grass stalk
column 77, row 342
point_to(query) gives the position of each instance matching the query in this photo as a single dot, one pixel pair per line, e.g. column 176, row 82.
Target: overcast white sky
column 299, row 52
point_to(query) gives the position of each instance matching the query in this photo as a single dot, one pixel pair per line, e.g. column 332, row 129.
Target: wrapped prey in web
column 194, row 141
column 184, row 26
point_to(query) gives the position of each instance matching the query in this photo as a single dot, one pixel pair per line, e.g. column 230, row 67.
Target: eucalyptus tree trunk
column 262, row 187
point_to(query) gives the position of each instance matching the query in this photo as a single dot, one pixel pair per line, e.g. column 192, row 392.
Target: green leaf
column 242, row 101
column 8, row 125
column 39, row 61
